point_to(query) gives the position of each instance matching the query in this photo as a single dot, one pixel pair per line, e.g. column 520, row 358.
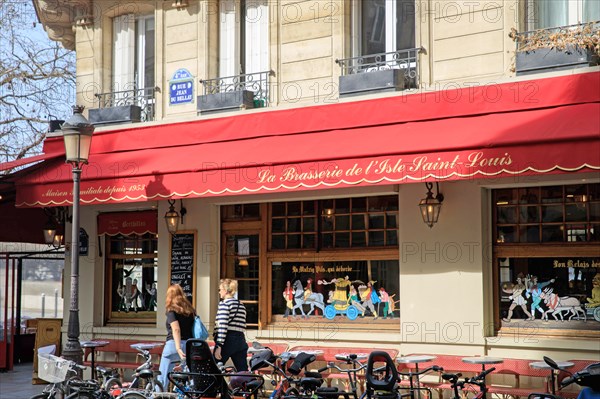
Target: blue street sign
column 181, row 87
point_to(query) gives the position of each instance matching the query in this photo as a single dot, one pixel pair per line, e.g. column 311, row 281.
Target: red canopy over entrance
column 534, row 127
column 126, row 223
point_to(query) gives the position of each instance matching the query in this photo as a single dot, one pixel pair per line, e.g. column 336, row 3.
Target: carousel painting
column 554, row 291
column 350, row 295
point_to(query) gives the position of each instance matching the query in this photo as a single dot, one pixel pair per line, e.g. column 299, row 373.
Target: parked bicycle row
column 286, row 375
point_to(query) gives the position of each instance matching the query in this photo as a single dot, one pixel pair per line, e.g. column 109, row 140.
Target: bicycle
column 352, row 387
column 110, row 378
column 588, row 378
column 205, row 378
column 145, row 377
column 478, row 380
column 290, row 385
column 54, row 370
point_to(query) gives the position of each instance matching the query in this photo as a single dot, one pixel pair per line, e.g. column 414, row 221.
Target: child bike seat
column 374, row 379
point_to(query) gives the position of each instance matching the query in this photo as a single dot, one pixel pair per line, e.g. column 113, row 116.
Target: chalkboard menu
column 183, row 262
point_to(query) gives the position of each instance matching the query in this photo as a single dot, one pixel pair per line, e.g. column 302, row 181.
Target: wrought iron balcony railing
column 407, row 60
column 580, row 35
column 143, row 98
column 257, row 82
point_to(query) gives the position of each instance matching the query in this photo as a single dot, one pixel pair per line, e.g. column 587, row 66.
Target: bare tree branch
column 37, row 81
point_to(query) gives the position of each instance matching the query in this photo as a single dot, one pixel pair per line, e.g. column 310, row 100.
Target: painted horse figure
column 314, row 299
column 556, row 305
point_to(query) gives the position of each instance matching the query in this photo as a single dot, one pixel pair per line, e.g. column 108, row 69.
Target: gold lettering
column 477, row 160
column 265, row 176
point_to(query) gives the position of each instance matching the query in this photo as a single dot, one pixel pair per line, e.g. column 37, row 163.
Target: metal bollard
column 43, row 305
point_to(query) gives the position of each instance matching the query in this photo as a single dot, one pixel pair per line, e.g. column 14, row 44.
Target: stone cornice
column 60, row 17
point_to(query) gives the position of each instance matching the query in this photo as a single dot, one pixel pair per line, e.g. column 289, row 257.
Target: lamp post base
column 72, row 351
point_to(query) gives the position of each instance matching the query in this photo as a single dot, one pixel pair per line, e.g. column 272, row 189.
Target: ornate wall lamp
column 54, row 227
column 57, row 242
column 172, row 216
column 431, row 206
column 49, row 230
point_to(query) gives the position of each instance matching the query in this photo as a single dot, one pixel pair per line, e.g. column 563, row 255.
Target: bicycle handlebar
column 325, row 368
column 482, row 375
column 332, row 365
column 582, row 377
column 79, row 366
column 351, row 357
column 421, row 372
column 479, row 379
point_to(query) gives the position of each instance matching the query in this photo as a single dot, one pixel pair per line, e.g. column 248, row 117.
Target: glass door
column 241, row 262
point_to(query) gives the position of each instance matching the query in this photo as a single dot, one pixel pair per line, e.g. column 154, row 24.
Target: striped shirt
column 231, row 316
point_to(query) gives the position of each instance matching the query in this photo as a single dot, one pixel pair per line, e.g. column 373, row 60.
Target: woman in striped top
column 230, row 327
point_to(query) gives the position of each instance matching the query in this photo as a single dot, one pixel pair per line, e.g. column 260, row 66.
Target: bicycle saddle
column 302, row 360
column 261, row 359
column 146, row 373
column 311, row 383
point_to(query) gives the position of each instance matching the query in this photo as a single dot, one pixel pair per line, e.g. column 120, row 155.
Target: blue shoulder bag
column 200, row 331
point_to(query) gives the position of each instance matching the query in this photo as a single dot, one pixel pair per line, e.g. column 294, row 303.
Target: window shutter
column 257, row 37
column 229, row 47
column 123, row 52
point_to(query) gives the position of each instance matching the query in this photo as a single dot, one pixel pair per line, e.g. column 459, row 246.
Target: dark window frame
column 144, row 250
column 333, row 222
column 566, row 249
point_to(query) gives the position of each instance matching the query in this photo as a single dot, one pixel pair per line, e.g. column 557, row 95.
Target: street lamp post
column 77, row 134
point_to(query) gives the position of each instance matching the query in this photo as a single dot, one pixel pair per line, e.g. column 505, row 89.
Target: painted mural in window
column 560, row 291
column 132, row 271
column 340, row 290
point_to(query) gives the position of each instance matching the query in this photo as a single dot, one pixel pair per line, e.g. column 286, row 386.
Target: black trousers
column 236, row 349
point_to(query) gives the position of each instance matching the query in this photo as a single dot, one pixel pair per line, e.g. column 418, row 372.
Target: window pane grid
column 344, row 223
column 547, row 214
column 239, row 212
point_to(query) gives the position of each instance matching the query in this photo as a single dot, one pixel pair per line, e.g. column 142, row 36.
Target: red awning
column 476, row 141
column 126, row 223
column 21, row 224
column 29, row 160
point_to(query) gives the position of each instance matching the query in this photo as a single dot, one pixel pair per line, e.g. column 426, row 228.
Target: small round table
column 483, row 360
column 93, row 345
column 416, row 359
column 544, row 365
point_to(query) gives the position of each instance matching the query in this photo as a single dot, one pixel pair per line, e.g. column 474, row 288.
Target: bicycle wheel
column 291, row 393
column 112, row 383
column 56, row 393
column 134, row 395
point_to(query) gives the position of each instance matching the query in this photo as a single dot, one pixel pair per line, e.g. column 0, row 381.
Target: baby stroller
column 205, row 379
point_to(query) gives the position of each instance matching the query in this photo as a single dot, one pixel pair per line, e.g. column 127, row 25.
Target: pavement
column 16, row 383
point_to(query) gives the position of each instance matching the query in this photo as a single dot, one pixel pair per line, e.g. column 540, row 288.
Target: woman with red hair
column 180, row 324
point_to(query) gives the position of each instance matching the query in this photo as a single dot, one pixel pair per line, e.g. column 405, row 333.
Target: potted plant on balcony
column 558, row 48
